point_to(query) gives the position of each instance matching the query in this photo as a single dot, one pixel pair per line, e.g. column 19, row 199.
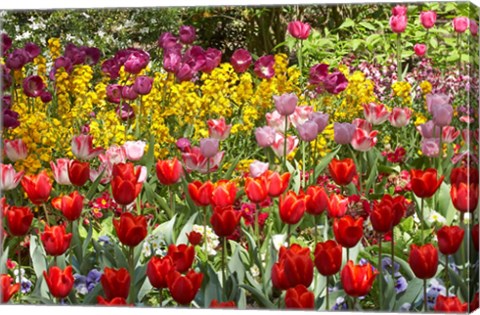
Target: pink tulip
column 473, row 27
column 300, row 115
column 258, row 168
column 375, row 114
column 33, row 86
column 265, row 136
column 466, row 119
column 128, row 93
column 398, row 23
column 362, row 124
column 209, row 147
column 104, row 170
column 184, row 73
column 264, row 67
column 278, row 144
column 449, row 134
column 430, row 147
column 171, row 60
column 15, row 150
column 213, row 57
column 420, row 49
column 277, row 121
column 320, row 119
column 460, row 24
column 399, row 10
column 195, row 161
column 134, row 150
column 187, row 34
column 241, row 60
column 9, row 177
column 60, row 171
column 286, row 103
column 82, row 147
column 143, row 84
column 343, row 132
column 400, row 117
column 308, row 131
column 428, row 18
column 334, row 83
column 427, row 130
column 114, row 93
column 363, row 141
column 167, row 40
column 136, row 61
column 299, row 29
column 442, row 115
column 218, row 128
column 438, row 99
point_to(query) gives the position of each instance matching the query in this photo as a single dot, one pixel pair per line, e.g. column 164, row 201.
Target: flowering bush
column 251, row 181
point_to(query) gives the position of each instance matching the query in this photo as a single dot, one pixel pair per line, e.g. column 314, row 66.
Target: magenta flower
column 460, row 24
column 363, row 140
column 10, row 118
column 136, row 62
column 308, row 131
column 46, row 97
column 82, row 147
column 399, row 10
column 125, row 111
column 400, row 117
column 473, row 27
column 299, row 29
column 209, row 147
column 428, row 19
column 5, row 43
column 218, row 128
column 17, row 59
column 183, row 144
column 278, row 144
column 114, row 93
column 398, row 23
column 241, row 60
column 286, row 103
column 184, row 73
column 265, row 136
column 171, row 60
column 128, row 93
column 213, row 57
column 33, row 86
column 187, row 34
column 264, row 67
column 32, row 51
column 143, row 84
column 335, row 82
column 420, row 49
column 426, row 130
column 15, row 150
column 343, row 132
column 167, row 40
column 318, row 74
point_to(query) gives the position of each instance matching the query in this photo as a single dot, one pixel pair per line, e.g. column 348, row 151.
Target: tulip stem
column 224, row 273
column 380, row 291
column 138, row 119
column 314, row 160
column 132, row 274
column 208, row 168
column 46, row 214
column 304, row 166
column 257, row 236
column 19, row 265
column 393, row 254
column 399, row 58
column 160, row 297
column 348, row 254
column 205, row 232
column 424, row 295
column 285, row 145
column 300, row 57
column 422, row 220
column 288, row 234
column 447, row 279
column 327, row 294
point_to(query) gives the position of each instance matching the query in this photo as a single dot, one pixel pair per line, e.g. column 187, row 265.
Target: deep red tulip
column 7, row 288
column 357, row 280
column 225, row 220
column 131, row 230
column 463, row 175
column 449, row 304
column 279, row 278
column 118, row 301
column 317, row 200
column 328, row 257
column 399, row 208
column 292, row 207
column 115, row 283
column 184, row 288
column 449, row 239
column 299, row 297
column 59, row 282
column 228, row 304
column 337, row 206
column 424, row 183
column 182, row 256
column 464, row 196
column 342, row 171
column 383, row 215
column 169, row 172
column 37, row 187
column 294, row 267
column 55, row 240
column 71, row 205
column 195, row 238
column 125, row 183
column 475, row 236
column 276, row 183
column 201, row 193
column 423, row 260
column 78, row 172
column 256, row 189
column 19, row 220
column 348, row 231
column 224, row 193
column 157, row 270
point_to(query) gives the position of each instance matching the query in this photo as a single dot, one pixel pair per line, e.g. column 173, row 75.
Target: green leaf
column 325, row 161
column 368, row 26
column 150, row 157
column 37, row 253
column 347, row 23
column 434, row 42
column 414, row 288
column 258, row 296
column 182, row 237
column 93, row 187
column 3, row 261
column 356, row 43
column 232, row 167
column 165, row 230
column 91, row 298
column 144, row 289
column 88, row 239
column 120, row 259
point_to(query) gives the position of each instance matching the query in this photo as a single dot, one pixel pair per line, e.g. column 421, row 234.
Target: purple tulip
column 265, row 136
column 442, row 115
column 129, row 93
column 320, row 119
column 125, row 112
column 46, row 96
column 427, row 130
column 195, row 57
column 10, row 119
column 343, row 132
column 92, row 55
column 63, row 62
column 335, row 82
column 6, row 78
column 213, row 57
column 32, row 50
column 285, row 103
column 5, row 43
column 209, row 147
column 318, row 74
column 167, row 40
column 6, row 102
column 184, row 73
column 171, row 60
column 183, row 144
column 33, row 86
column 187, row 34
column 434, row 100
column 264, row 67
column 143, row 85
column 17, row 59
column 75, row 54
column 430, row 147
column 114, row 93
column 241, row 60
column 137, row 61
column 308, row 131
column 112, row 68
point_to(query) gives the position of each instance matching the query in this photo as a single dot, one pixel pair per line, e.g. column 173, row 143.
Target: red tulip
column 463, row 175
column 228, row 304
column 55, row 240
column 256, row 189
column 475, row 236
column 425, row 183
column 328, row 257
column 423, row 260
column 125, row 183
column 169, row 172
column 182, row 256
column 201, row 193
column 158, row 269
column 383, row 215
column 225, row 220
column 449, row 304
column 276, row 183
column 348, row 231
column 294, row 267
column 299, row 297
column 317, row 200
column 78, row 172
column 357, row 280
column 292, row 207
column 464, row 196
column 279, row 278
column 449, row 239
column 59, row 282
column 71, row 206
column 337, row 206
column 118, row 301
column 224, row 193
column 19, row 220
column 7, row 289
column 115, row 283
column 184, row 288
column 37, row 187
column 194, row 238
column 131, row 230
column 399, row 208
column 342, row 171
